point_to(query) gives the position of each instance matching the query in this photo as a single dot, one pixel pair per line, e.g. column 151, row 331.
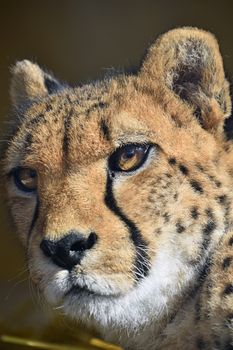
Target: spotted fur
column 156, row 267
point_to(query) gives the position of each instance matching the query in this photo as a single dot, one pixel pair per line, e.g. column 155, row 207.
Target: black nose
column 68, row 251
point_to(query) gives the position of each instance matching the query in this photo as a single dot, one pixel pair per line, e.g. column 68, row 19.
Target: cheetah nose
column 68, row 251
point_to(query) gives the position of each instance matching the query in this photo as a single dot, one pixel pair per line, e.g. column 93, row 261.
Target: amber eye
column 25, row 179
column 129, row 157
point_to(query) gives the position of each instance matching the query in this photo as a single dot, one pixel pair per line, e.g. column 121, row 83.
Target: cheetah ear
column 29, row 82
column 186, row 63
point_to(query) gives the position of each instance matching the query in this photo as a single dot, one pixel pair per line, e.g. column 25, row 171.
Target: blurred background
column 78, row 40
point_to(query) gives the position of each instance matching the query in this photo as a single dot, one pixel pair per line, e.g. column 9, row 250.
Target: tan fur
column 180, row 201
column 28, row 82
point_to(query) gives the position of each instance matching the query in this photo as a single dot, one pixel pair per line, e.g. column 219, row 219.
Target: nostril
column 48, row 247
column 78, row 246
column 92, row 239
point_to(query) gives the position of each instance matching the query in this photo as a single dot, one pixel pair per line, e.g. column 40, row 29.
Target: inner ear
column 51, row 84
column 186, row 64
column 191, row 69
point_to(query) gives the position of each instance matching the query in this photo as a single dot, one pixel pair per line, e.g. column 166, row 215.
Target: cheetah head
column 119, row 189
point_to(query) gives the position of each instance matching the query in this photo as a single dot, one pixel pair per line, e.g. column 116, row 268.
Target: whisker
column 14, row 286
column 19, row 274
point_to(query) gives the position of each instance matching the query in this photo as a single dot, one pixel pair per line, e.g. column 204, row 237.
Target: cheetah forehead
column 85, row 124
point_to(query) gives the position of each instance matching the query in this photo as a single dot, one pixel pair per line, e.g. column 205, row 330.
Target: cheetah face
column 116, row 188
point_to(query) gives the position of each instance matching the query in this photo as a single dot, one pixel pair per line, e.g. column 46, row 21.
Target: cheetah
column 121, row 193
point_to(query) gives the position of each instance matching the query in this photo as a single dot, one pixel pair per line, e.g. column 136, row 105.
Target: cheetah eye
column 25, row 179
column 129, row 157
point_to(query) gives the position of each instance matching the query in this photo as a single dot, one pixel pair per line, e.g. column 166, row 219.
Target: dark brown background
column 78, row 40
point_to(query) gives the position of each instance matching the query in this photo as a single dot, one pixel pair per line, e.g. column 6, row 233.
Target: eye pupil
column 128, row 154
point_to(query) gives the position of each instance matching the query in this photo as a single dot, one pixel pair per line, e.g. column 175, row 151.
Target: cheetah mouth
column 77, row 290
column 62, row 285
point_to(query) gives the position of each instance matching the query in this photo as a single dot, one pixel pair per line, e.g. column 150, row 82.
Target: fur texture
column 159, row 275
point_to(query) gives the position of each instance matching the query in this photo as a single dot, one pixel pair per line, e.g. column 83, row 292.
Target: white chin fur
column 142, row 306
column 56, row 288
column 133, row 309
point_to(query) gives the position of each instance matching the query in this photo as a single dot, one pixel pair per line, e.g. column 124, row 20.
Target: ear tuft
column 29, row 82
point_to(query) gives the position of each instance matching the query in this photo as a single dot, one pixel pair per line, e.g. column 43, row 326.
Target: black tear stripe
column 34, row 219
column 142, row 259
